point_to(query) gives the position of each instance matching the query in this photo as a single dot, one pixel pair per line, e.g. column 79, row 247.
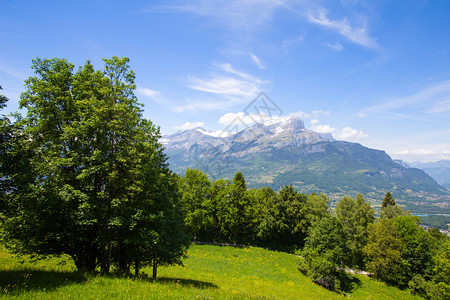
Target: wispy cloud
column 423, row 155
column 256, row 60
column 225, row 87
column 11, row 70
column 358, row 35
column 229, row 118
column 240, row 16
column 320, row 112
column 289, row 44
column 149, row 93
column 441, row 106
column 189, row 125
column 336, row 46
column 436, row 96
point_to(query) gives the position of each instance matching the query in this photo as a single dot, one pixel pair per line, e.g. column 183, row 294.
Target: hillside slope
column 439, row 170
column 210, row 272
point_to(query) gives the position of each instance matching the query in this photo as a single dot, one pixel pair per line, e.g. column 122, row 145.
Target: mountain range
column 282, row 151
column 439, row 170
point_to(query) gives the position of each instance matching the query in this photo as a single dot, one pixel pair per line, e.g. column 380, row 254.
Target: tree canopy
column 97, row 186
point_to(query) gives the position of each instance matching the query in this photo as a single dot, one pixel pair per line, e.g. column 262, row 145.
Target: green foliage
column 398, row 250
column 384, row 252
column 438, row 221
column 388, row 200
column 226, row 211
column 95, row 183
column 390, row 210
column 285, row 225
column 316, row 209
column 416, row 247
column 195, row 187
column 325, row 254
column 355, row 216
column 442, row 264
column 429, row 289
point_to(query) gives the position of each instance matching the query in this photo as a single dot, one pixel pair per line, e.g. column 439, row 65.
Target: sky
column 373, row 72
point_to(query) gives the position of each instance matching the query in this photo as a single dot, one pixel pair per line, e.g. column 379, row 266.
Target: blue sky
column 373, row 72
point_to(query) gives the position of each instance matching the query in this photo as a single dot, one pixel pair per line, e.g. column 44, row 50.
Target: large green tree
column 285, row 225
column 195, row 187
column 325, row 253
column 100, row 188
column 355, row 216
column 384, row 251
column 398, row 249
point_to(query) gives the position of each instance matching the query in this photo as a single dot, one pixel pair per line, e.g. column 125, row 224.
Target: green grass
column 210, row 272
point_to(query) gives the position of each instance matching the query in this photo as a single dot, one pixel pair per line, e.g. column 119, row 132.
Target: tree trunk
column 155, row 265
column 136, row 267
column 108, row 259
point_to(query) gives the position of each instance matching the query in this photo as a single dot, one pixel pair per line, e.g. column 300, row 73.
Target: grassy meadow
column 210, row 272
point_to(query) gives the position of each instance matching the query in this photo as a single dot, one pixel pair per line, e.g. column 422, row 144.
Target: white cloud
column 149, row 93
column 435, row 96
column 229, row 118
column 357, row 35
column 299, row 114
column 415, row 152
column 189, row 125
column 208, row 104
column 223, row 85
column 320, row 128
column 222, row 89
column 317, row 113
column 441, row 107
column 350, row 134
column 361, row 115
column 256, row 60
column 243, row 16
column 290, row 44
column 336, row 46
column 323, row 128
column 423, row 155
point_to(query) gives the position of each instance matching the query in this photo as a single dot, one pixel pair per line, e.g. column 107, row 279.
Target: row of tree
column 226, row 211
column 83, row 173
column 393, row 247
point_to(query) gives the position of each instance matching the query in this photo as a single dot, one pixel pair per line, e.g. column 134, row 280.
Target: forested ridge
column 392, row 247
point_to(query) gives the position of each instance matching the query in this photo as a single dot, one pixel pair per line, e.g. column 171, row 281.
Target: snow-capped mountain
column 277, row 133
column 281, row 151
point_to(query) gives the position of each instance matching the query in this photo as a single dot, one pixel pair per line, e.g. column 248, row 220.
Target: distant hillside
column 283, row 152
column 439, row 170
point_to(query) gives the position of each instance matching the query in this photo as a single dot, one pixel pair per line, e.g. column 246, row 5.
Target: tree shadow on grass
column 346, row 283
column 20, row 281
column 184, row 282
column 349, row 283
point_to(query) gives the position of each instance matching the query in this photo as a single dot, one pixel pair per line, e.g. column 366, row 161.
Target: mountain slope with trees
column 285, row 152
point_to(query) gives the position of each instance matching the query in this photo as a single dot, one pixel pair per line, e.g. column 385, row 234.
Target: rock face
column 282, row 152
column 275, row 133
